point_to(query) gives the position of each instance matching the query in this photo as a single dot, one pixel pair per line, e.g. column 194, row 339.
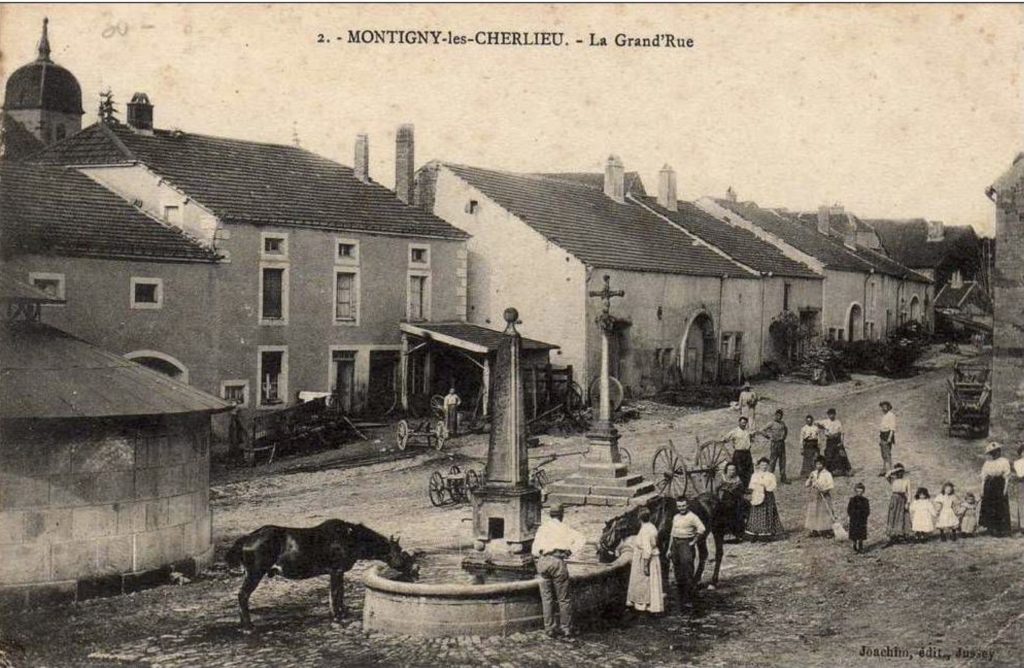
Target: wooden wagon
column 968, row 399
column 318, row 422
column 673, row 477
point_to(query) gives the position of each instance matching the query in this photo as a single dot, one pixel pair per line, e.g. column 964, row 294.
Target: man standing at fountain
column 554, row 543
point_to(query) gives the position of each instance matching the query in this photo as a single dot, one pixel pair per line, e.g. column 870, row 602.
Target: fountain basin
column 501, row 608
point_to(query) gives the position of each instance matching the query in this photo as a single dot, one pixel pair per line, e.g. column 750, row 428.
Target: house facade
column 865, row 295
column 544, row 243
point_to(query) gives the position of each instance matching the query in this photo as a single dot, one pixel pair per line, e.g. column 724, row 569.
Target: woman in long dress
column 810, row 450
column 995, row 504
column 819, row 516
column 897, row 520
column 730, row 495
column 763, row 522
column 645, row 592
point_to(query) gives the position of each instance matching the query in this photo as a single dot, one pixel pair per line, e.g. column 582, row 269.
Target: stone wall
column 99, row 507
column 1008, row 330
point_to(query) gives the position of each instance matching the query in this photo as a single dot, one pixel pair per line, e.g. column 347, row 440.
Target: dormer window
column 172, row 215
column 472, row 206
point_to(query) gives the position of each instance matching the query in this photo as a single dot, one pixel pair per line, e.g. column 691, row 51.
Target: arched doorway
column 697, row 360
column 915, row 308
column 157, row 361
column 855, row 323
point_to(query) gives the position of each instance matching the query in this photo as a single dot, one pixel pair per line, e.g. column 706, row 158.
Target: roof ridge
column 170, row 132
column 533, row 176
column 120, row 145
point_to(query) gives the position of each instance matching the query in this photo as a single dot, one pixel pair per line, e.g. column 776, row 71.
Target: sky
column 891, row 110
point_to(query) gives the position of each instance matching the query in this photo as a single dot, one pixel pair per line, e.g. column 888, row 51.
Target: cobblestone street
column 793, row 600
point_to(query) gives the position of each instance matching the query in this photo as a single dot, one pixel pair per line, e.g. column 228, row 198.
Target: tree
column 107, row 111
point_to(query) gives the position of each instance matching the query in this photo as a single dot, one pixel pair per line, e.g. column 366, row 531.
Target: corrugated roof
column 47, row 373
column 252, row 182
column 907, row 242
column 476, row 335
column 57, row 210
column 597, row 230
column 740, row 244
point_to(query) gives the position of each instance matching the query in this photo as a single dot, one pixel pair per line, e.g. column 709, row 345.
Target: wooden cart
column 674, row 477
column 968, row 399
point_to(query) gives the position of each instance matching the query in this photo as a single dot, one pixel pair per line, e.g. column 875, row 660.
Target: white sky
column 893, row 110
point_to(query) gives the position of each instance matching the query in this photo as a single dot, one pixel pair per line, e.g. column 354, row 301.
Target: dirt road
column 797, row 602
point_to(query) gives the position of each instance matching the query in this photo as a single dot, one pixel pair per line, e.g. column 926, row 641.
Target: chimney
column 730, row 194
column 935, row 230
column 140, row 114
column 404, row 163
column 823, row 219
column 667, row 197
column 614, row 179
column 361, row 163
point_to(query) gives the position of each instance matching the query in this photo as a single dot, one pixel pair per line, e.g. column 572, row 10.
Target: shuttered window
column 273, row 288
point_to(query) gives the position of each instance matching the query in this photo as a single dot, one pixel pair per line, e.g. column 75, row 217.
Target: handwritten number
column 320, row 38
column 119, row 28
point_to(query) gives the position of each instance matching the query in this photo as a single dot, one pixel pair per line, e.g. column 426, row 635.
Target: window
column 872, row 295
column 273, row 375
column 147, row 293
column 235, row 391
column 347, row 252
column 172, row 215
column 419, row 297
column 346, row 296
column 831, row 333
column 841, row 334
column 51, row 284
column 472, row 206
column 274, row 246
column 786, row 289
column 272, row 293
column 419, row 255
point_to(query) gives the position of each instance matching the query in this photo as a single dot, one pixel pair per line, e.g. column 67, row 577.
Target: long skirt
column 836, row 461
column 1020, row 504
column 744, row 465
column 819, row 512
column 810, row 452
column 763, row 520
column 645, row 591
column 995, row 508
column 897, row 522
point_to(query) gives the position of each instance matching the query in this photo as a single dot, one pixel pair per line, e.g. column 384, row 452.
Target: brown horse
column 712, row 511
column 331, row 548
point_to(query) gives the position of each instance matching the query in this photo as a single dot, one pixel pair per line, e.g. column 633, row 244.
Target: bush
column 895, row 356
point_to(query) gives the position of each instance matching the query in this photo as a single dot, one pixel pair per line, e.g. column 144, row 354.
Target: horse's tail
column 234, row 555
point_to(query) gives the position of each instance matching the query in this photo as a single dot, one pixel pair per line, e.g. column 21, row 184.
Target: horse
column 714, row 512
column 330, row 548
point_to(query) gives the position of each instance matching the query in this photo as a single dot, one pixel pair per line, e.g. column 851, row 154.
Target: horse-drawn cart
column 674, row 477
column 318, row 422
column 968, row 399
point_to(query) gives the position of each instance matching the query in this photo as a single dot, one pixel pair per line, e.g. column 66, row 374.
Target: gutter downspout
column 764, row 276
column 718, row 339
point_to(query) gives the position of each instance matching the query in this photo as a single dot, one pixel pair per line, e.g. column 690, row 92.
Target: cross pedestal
column 602, row 478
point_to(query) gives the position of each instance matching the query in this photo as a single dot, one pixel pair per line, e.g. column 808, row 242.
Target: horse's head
column 616, row 530
column 402, row 561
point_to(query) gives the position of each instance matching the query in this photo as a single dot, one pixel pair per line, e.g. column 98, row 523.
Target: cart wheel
column 627, row 458
column 472, row 481
column 402, row 435
column 436, row 488
column 574, row 397
column 440, row 435
column 454, row 470
column 670, row 473
column 615, row 392
column 437, row 405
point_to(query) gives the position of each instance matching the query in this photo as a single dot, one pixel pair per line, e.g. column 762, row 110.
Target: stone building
column 104, row 465
column 1008, row 328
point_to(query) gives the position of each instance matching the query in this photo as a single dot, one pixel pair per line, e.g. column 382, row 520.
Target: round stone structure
column 502, row 608
column 104, row 471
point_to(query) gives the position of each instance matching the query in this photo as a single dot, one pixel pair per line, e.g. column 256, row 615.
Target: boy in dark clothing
column 858, row 509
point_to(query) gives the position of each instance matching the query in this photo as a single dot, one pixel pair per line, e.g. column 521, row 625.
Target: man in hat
column 686, row 531
column 554, row 543
column 748, row 404
column 886, row 436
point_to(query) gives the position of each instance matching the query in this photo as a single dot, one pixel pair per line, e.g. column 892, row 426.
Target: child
column 969, row 515
column 922, row 514
column 858, row 509
column 947, row 505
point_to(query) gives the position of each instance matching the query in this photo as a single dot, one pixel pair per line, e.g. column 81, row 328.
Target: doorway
column 698, row 358
column 855, row 323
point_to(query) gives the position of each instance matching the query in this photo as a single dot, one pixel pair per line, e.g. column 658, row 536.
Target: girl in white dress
column 969, row 515
column 922, row 514
column 947, row 504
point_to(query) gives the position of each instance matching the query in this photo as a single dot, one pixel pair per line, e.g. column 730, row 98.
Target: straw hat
column 992, row 447
column 896, row 469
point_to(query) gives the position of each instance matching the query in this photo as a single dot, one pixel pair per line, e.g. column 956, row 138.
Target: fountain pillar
column 603, row 479
column 506, row 509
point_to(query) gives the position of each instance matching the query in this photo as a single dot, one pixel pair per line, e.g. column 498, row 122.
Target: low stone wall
column 100, row 507
column 485, row 610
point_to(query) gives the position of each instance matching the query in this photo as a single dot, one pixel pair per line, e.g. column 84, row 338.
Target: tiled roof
column 475, row 335
column 740, row 244
column 907, row 242
column 955, row 298
column 47, row 373
column 55, row 210
column 633, row 183
column 251, row 182
column 16, row 142
column 829, row 252
column 597, row 230
column 886, row 265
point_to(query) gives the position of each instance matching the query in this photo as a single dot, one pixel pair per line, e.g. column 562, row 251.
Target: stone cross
column 606, row 294
column 606, row 322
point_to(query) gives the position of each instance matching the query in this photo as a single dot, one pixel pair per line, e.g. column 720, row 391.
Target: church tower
column 44, row 97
